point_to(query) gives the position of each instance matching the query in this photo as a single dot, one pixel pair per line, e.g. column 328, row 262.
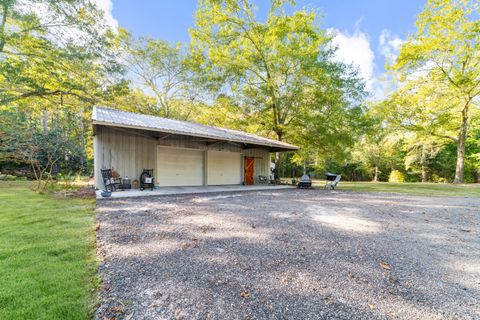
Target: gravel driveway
column 292, row 254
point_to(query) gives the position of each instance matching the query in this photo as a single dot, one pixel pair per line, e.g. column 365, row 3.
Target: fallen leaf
column 385, row 265
column 372, row 306
column 244, row 294
column 393, row 279
column 179, row 314
column 117, row 310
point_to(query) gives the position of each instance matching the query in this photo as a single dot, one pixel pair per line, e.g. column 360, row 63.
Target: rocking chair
column 111, row 184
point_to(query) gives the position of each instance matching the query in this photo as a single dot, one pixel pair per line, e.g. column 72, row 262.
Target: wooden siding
column 262, row 161
column 129, row 153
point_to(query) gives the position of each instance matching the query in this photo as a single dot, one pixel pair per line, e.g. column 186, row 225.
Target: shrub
column 48, row 154
column 396, row 176
column 8, row 177
column 437, row 178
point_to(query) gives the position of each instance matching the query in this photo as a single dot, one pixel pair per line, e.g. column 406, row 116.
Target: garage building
column 181, row 153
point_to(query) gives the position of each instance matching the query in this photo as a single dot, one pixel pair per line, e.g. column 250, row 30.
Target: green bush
column 396, row 176
column 7, row 177
column 437, row 178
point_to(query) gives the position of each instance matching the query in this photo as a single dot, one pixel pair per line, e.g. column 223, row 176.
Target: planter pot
column 106, row 194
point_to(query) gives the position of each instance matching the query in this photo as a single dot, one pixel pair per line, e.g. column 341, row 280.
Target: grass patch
column 437, row 189
column 47, row 255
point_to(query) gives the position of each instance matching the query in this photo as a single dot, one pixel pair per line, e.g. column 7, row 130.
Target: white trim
column 177, row 147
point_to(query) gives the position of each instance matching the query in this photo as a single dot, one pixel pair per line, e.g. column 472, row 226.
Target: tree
column 417, row 115
column 376, row 148
column 48, row 154
column 473, row 146
column 47, row 46
column 226, row 112
column 443, row 60
column 419, row 150
column 56, row 61
column 162, row 70
column 282, row 69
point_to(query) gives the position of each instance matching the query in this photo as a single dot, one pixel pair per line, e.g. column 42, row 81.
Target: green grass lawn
column 47, row 255
column 437, row 189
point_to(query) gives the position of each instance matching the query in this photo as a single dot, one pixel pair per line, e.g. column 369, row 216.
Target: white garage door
column 224, row 168
column 179, row 167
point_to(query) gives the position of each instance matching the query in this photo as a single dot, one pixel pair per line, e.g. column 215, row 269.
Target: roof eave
column 271, row 147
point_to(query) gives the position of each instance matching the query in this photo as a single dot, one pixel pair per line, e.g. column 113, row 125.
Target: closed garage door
column 224, row 168
column 179, row 167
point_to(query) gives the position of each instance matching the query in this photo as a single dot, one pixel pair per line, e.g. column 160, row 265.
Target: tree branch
column 40, row 94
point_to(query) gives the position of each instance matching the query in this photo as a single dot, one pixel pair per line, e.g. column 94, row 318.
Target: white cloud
column 389, row 47
column 355, row 49
column 389, row 44
column 107, row 6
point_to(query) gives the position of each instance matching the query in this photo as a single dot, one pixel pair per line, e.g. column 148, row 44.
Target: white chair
column 332, row 181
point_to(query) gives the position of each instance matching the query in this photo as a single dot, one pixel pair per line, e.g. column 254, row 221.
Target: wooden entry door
column 249, row 165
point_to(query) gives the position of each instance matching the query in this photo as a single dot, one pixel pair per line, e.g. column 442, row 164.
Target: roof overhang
column 243, row 144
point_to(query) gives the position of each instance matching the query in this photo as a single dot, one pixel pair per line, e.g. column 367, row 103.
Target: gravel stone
column 290, row 254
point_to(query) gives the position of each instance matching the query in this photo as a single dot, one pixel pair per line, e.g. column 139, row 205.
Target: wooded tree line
column 276, row 77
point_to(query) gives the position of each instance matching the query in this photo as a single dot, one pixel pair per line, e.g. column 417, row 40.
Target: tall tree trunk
column 424, row 165
column 45, row 120
column 278, row 162
column 5, row 8
column 375, row 173
column 82, row 140
column 278, row 158
column 278, row 131
column 462, row 137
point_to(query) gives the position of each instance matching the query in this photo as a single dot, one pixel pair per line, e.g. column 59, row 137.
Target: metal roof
column 117, row 118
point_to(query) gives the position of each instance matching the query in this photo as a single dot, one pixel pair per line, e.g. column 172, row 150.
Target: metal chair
column 146, row 179
column 332, row 180
column 263, row 180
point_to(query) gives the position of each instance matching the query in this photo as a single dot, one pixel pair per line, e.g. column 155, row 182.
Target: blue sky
column 368, row 30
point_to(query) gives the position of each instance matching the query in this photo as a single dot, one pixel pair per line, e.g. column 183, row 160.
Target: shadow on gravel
column 289, row 255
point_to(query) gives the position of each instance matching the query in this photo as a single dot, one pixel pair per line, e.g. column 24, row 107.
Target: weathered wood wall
column 128, row 153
